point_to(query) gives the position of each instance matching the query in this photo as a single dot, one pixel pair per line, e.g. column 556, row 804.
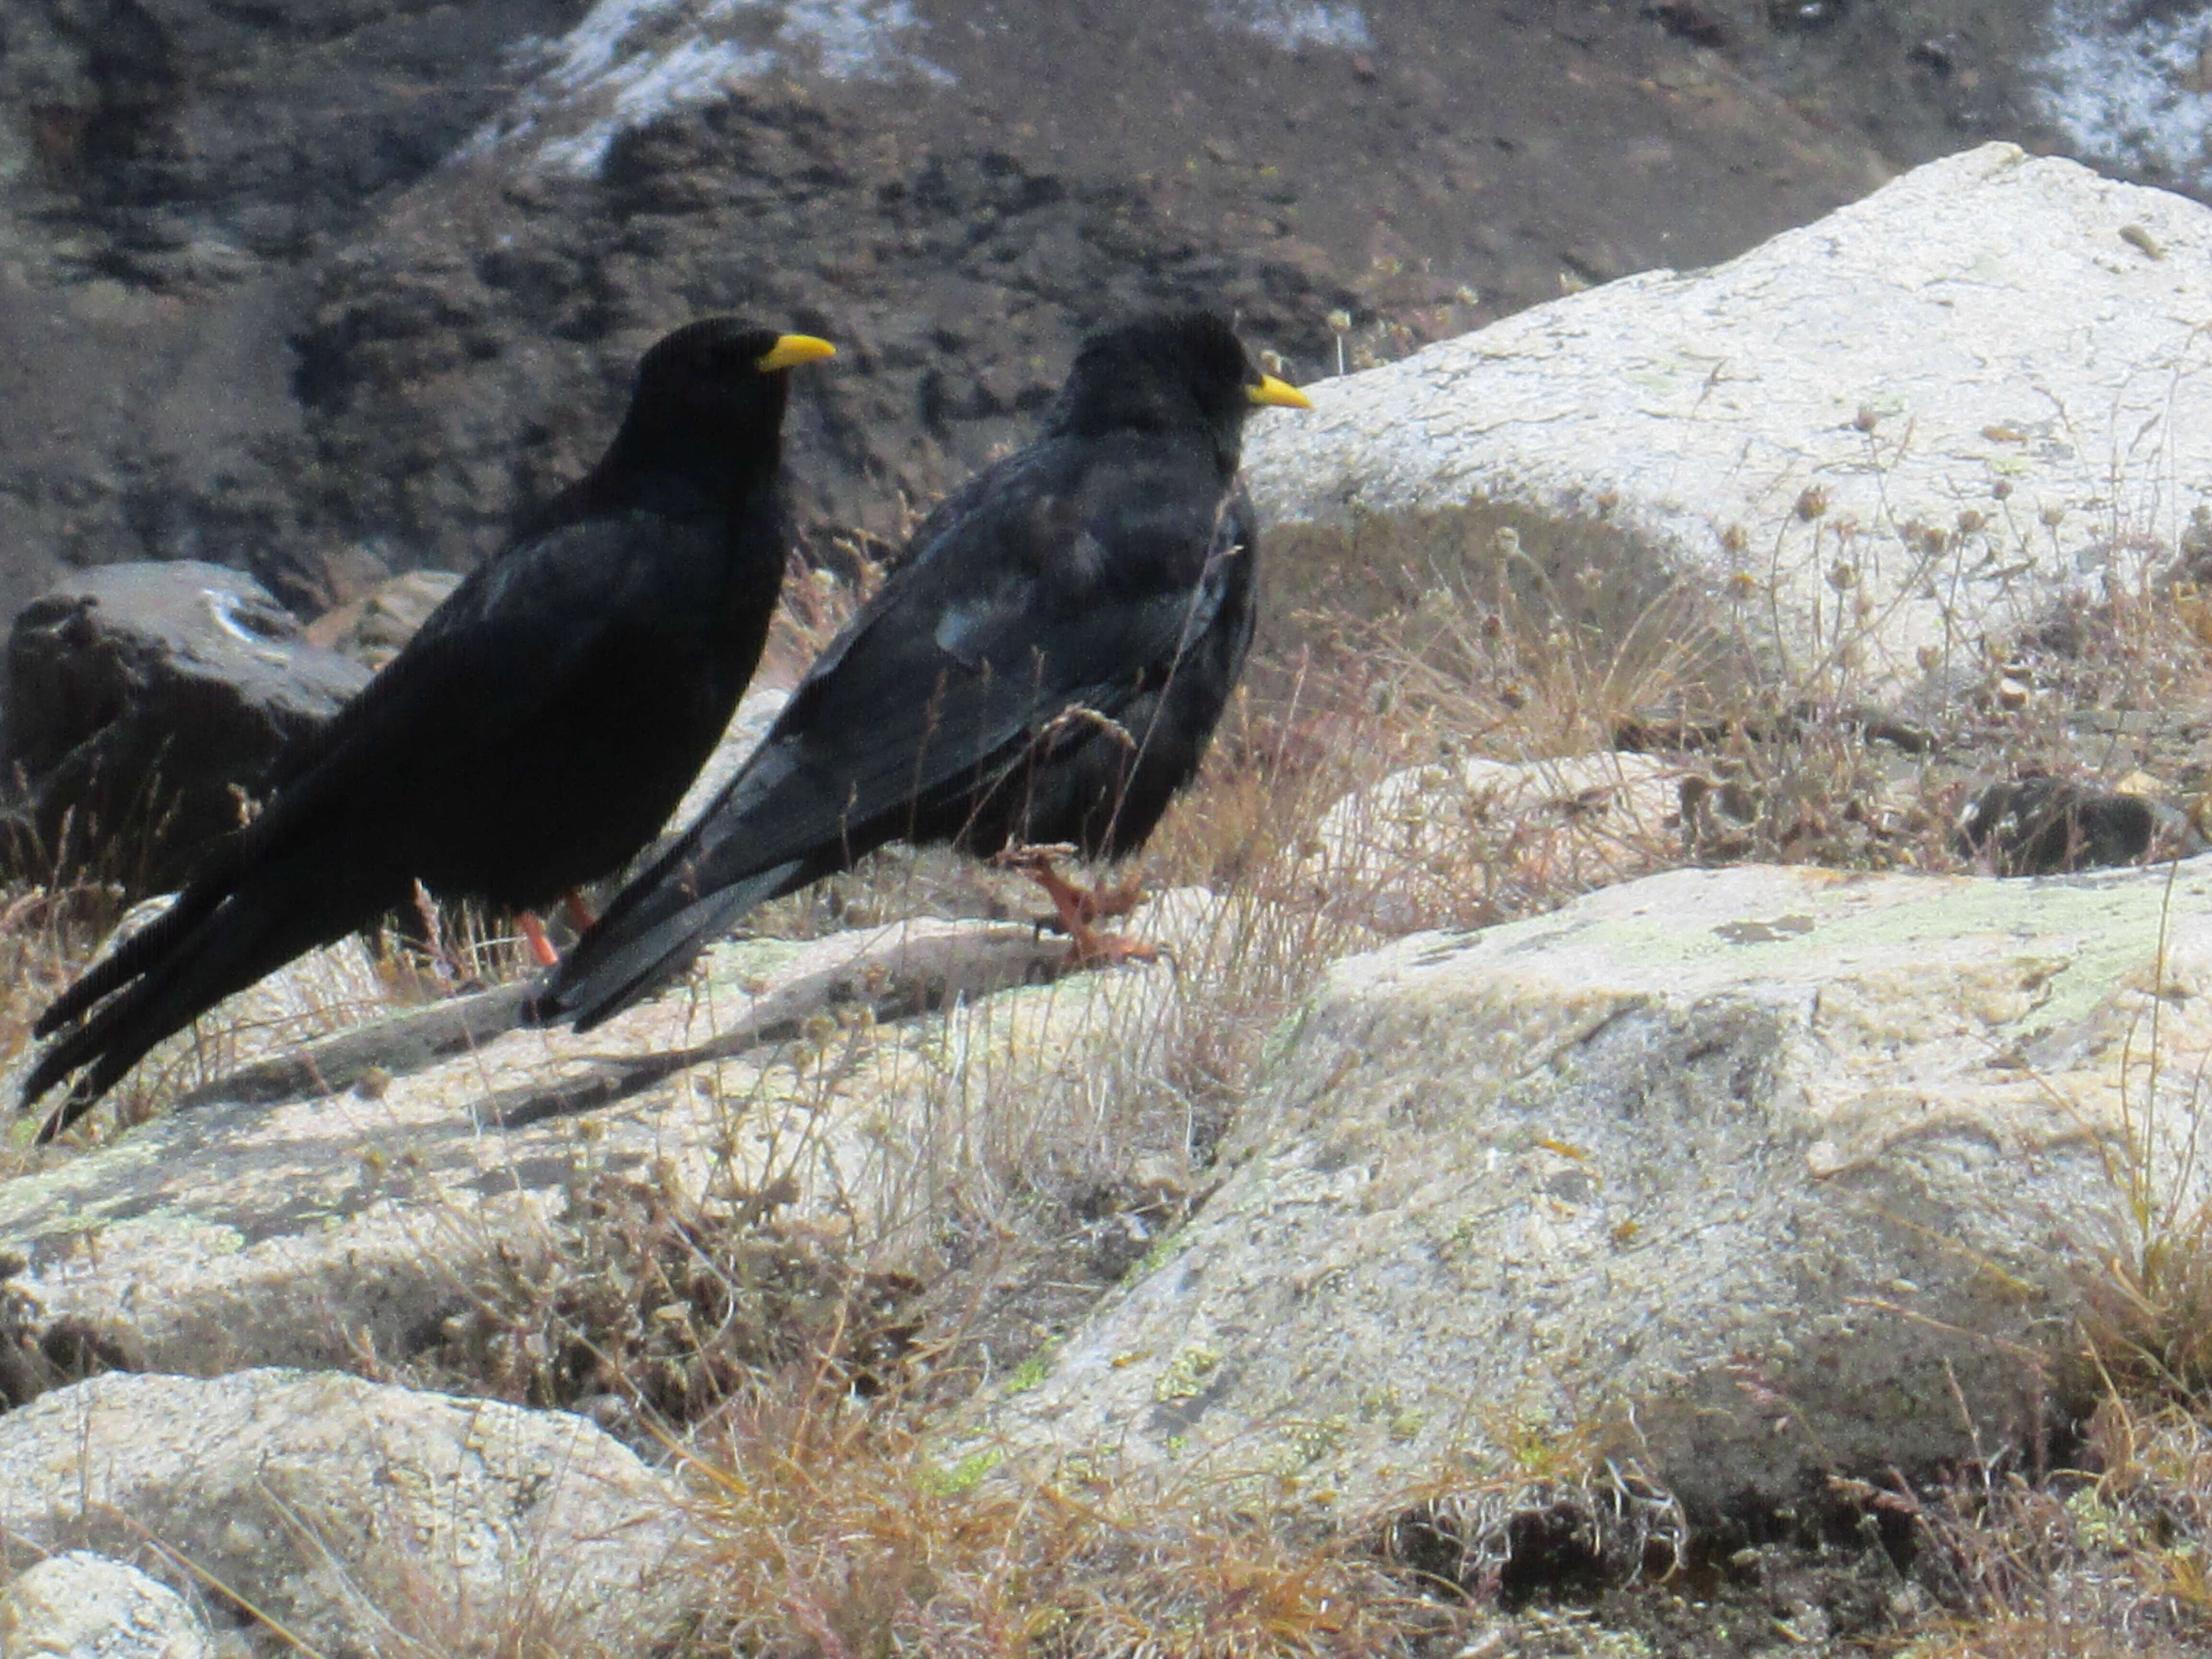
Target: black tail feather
column 638, row 948
column 197, row 958
column 127, row 960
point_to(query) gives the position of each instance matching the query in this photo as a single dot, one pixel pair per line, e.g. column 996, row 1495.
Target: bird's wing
column 1056, row 589
column 1061, row 578
column 471, row 677
column 504, row 644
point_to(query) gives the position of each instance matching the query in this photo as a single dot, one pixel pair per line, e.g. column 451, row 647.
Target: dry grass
column 831, row 1532
column 2109, row 1559
column 46, row 936
column 805, row 1371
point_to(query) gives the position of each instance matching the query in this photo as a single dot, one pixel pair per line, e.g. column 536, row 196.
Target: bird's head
column 1173, row 371
column 717, row 382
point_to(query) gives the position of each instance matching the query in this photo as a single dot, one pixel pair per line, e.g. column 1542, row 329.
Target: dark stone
column 144, row 703
column 2041, row 826
column 1699, row 25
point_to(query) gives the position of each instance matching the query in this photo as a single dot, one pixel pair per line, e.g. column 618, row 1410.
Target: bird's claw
column 1092, row 949
column 1077, row 907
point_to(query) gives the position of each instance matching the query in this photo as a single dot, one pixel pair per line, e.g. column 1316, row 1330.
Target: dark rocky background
column 321, row 289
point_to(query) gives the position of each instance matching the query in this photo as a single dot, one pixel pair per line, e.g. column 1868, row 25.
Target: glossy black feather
column 534, row 734
column 1047, row 664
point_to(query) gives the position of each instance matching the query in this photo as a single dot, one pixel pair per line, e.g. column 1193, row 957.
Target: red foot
column 579, row 912
column 540, row 946
column 1080, row 907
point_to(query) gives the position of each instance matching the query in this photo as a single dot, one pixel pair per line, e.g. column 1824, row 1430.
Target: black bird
column 1045, row 666
column 534, row 733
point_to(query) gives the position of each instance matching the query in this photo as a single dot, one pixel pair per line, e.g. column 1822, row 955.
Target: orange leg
column 1080, row 907
column 540, row 946
column 579, row 912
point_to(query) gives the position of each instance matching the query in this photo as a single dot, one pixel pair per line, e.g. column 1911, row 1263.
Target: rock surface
column 1740, row 1174
column 1409, row 847
column 144, row 703
column 371, row 628
column 79, row 1605
column 344, row 1200
column 1860, row 450
column 350, row 1512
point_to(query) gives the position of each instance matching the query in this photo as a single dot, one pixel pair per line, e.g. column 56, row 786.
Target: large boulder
column 1854, row 453
column 349, row 1514
column 1736, row 1176
column 144, row 703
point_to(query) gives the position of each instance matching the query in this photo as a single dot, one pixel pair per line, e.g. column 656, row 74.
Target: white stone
column 335, row 1212
column 353, row 1513
column 1739, row 1176
column 2003, row 323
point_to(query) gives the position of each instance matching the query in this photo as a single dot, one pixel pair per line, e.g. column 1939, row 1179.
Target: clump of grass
column 830, row 1531
column 653, row 1310
column 2108, row 1558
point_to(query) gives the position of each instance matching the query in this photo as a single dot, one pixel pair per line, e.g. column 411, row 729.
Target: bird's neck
column 1102, row 416
column 707, row 466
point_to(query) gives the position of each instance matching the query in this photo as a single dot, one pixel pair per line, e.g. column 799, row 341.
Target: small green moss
column 1283, row 1036
column 964, row 1475
column 1034, row 1370
column 1185, row 1377
column 1306, row 1442
column 2103, row 1527
column 1379, row 1402
column 1156, row 1258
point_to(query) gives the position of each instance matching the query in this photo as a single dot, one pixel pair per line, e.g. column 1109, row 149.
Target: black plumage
column 1046, row 663
column 534, row 733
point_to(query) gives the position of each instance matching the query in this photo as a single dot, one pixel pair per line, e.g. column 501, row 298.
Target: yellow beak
column 792, row 350
column 1281, row 393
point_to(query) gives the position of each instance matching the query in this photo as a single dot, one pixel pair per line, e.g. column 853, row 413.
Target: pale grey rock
column 1860, row 449
column 354, row 1514
column 345, row 1200
column 1417, row 846
column 80, row 1605
column 1736, row 1176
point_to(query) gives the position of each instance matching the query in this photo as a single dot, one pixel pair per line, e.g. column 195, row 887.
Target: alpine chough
column 534, row 733
column 1044, row 665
